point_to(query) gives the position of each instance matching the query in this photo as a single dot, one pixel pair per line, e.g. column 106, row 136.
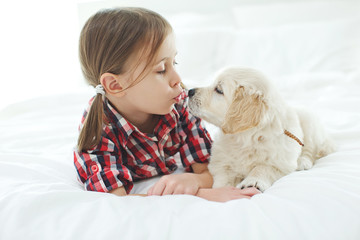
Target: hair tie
column 100, row 89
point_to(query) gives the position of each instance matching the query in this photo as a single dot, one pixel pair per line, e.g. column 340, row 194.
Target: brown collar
column 289, row 134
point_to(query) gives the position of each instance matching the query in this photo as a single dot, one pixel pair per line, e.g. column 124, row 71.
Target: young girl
column 139, row 118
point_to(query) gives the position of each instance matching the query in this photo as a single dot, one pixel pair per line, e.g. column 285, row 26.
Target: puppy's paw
column 304, row 164
column 260, row 184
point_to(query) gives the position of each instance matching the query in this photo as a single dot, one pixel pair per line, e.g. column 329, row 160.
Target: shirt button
column 94, row 168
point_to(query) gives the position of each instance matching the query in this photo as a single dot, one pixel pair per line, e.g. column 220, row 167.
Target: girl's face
column 160, row 89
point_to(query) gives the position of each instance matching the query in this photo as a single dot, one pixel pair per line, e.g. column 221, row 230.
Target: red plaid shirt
column 125, row 154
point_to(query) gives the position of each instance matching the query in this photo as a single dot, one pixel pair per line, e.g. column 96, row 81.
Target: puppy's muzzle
column 193, row 102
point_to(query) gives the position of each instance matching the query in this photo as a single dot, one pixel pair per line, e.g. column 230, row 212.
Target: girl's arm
column 204, row 179
column 199, row 184
column 202, row 174
column 218, row 194
column 225, row 194
column 121, row 192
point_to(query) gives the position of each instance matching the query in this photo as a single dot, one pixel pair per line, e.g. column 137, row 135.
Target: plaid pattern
column 126, row 155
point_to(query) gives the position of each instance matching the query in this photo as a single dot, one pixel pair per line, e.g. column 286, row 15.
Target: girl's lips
column 178, row 98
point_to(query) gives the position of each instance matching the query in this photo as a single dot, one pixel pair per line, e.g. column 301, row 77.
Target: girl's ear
column 245, row 112
column 111, row 84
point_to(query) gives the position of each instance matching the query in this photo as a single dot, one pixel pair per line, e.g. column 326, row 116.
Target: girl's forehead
column 167, row 49
column 140, row 60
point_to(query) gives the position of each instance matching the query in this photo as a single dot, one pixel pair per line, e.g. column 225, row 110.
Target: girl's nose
column 175, row 80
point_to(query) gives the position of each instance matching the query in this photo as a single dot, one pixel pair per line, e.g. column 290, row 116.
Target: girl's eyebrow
column 165, row 58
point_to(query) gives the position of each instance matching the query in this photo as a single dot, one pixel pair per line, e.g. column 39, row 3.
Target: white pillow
column 276, row 13
column 319, row 46
column 300, row 48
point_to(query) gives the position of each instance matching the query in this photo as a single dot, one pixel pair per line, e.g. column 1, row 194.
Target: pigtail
column 90, row 133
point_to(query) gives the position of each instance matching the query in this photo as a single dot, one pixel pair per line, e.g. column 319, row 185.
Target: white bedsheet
column 40, row 197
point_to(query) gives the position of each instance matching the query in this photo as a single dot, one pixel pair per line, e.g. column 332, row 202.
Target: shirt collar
column 167, row 123
column 125, row 128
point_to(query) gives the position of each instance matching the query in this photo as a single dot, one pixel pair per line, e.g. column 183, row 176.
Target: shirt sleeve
column 101, row 168
column 196, row 141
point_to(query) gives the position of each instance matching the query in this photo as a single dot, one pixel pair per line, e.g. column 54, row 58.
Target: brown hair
column 108, row 39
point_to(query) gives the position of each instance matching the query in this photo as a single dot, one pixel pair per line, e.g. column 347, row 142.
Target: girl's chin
column 165, row 110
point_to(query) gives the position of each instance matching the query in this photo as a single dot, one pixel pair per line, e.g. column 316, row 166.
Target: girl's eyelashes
column 164, row 70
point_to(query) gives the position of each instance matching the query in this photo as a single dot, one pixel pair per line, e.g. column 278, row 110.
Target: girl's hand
column 185, row 183
column 225, row 194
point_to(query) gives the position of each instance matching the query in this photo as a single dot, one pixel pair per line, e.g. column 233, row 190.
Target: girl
column 139, row 118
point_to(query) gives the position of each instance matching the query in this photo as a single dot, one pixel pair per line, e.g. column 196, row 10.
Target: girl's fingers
column 169, row 189
column 175, row 184
column 179, row 190
column 157, row 189
column 151, row 190
column 250, row 191
column 242, row 196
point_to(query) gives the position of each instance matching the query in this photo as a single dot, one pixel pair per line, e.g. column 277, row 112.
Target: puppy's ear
column 244, row 112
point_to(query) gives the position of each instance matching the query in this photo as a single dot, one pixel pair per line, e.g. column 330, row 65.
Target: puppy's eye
column 219, row 91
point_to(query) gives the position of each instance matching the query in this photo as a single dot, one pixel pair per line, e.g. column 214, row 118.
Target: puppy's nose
column 191, row 92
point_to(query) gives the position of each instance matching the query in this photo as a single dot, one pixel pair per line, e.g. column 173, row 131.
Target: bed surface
column 41, row 198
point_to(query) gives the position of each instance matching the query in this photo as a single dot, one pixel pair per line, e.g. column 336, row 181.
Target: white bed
column 314, row 61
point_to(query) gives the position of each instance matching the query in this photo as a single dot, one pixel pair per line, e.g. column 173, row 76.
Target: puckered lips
column 178, row 97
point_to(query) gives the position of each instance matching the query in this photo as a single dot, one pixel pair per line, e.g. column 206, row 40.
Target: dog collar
column 289, row 134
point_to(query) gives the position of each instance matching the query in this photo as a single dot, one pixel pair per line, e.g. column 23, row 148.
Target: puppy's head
column 237, row 100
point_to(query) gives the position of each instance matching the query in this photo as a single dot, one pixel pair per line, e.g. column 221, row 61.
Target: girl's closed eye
column 163, row 69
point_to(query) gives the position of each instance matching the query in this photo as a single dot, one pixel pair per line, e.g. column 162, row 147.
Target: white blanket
column 314, row 64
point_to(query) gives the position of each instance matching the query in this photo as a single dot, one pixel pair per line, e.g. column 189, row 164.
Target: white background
column 39, row 39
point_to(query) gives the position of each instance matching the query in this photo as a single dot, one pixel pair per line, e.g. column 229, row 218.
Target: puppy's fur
column 252, row 148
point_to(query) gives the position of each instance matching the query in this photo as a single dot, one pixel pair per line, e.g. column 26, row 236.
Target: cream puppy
column 262, row 138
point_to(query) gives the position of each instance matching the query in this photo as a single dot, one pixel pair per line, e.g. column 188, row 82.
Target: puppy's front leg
column 261, row 177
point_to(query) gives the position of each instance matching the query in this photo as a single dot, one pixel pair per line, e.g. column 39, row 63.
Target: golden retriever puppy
column 261, row 138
